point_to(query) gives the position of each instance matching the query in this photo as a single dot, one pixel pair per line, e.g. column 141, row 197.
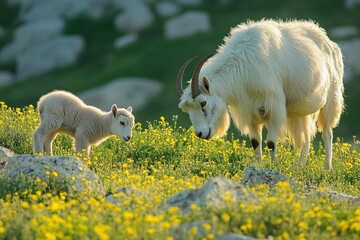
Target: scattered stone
column 125, row 92
column 233, row 236
column 29, row 35
column 117, row 197
column 351, row 52
column 212, row 194
column 58, row 52
column 344, row 32
column 335, row 196
column 350, row 4
column 6, row 78
column 126, row 40
column 255, row 176
column 187, row 24
column 134, row 19
column 70, row 172
column 41, row 9
column 167, row 9
column 189, row 2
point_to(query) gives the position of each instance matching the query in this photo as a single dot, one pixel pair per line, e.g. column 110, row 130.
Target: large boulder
column 29, row 35
column 134, row 19
column 125, row 92
column 187, row 24
column 126, row 40
column 167, row 9
column 58, row 52
column 69, row 172
column 214, row 193
column 41, row 9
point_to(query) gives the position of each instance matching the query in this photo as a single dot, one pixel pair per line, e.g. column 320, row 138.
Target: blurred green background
column 154, row 57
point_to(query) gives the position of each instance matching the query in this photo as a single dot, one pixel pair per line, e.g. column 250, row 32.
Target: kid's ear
column 205, row 84
column 129, row 109
column 114, row 109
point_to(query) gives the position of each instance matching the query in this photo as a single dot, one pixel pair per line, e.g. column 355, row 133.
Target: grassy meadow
column 162, row 159
column 157, row 58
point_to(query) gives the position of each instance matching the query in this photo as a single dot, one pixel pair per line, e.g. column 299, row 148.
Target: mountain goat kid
column 63, row 112
column 285, row 76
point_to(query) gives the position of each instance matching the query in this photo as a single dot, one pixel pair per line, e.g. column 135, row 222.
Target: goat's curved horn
column 179, row 87
column 195, row 90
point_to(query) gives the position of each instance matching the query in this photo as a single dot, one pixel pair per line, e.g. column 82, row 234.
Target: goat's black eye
column 203, row 103
column 122, row 123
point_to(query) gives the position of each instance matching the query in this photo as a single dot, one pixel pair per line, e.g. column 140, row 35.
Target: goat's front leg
column 81, row 142
column 256, row 139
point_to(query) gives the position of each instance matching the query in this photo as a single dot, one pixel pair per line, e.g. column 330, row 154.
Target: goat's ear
column 129, row 109
column 205, row 84
column 114, row 109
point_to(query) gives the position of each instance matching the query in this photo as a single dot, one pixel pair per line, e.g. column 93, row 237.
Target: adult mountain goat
column 63, row 112
column 285, row 76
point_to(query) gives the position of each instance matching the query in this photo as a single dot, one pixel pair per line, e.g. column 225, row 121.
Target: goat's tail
column 303, row 129
column 329, row 116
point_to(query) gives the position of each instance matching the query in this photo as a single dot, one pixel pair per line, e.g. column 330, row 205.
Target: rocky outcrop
column 187, row 24
column 70, row 173
column 58, row 52
column 125, row 92
column 214, row 193
column 255, row 176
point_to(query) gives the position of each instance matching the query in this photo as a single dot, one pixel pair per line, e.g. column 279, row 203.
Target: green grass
column 162, row 159
column 154, row 57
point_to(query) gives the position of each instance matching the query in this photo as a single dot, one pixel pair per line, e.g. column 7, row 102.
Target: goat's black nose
column 199, row 134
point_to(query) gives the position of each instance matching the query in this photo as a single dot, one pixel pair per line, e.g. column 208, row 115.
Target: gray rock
column 117, row 197
column 349, row 4
column 232, row 236
column 167, row 9
column 125, row 92
column 42, row 9
column 29, row 35
column 187, row 24
column 126, row 40
column 255, row 176
column 32, row 167
column 334, row 196
column 6, row 78
column 56, row 53
column 189, row 2
column 212, row 194
column 344, row 32
column 351, row 51
column 134, row 19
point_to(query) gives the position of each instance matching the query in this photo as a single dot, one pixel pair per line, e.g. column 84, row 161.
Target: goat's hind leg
column 38, row 140
column 42, row 135
column 327, row 137
column 48, row 142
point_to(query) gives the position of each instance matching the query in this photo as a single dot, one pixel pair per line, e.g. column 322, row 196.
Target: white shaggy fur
column 285, row 76
column 63, row 112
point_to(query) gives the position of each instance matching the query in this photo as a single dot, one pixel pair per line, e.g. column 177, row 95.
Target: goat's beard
column 223, row 123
